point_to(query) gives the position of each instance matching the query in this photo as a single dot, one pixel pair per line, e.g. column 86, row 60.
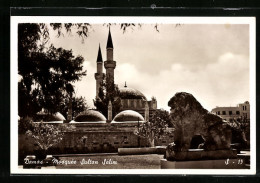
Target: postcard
column 133, row 95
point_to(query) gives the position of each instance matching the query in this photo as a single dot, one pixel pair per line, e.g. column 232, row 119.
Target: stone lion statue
column 190, row 119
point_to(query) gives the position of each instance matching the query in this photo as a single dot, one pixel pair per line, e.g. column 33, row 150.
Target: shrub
column 47, row 135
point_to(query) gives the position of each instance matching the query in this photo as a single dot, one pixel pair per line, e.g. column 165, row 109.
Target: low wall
column 143, row 150
column 99, row 138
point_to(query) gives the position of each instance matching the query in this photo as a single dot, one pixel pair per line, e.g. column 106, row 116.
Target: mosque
column 94, row 132
column 134, row 104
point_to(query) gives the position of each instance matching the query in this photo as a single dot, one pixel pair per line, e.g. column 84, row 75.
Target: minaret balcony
column 99, row 76
column 110, row 64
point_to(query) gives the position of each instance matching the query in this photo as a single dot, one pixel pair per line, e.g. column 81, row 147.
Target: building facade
column 242, row 110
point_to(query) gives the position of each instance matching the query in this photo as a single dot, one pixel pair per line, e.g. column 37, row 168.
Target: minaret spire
column 110, row 64
column 109, row 40
column 99, row 75
column 125, row 84
column 99, row 57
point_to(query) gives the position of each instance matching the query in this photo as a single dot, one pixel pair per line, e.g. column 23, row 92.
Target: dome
column 130, row 93
column 90, row 116
column 45, row 117
column 128, row 116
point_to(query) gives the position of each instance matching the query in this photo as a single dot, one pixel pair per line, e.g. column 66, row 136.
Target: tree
column 78, row 104
column 47, row 73
column 47, row 135
column 240, row 131
column 34, row 59
column 24, row 124
column 28, row 104
column 156, row 127
column 82, row 29
column 101, row 102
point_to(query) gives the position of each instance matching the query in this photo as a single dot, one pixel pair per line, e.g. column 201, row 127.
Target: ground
column 115, row 161
column 151, row 161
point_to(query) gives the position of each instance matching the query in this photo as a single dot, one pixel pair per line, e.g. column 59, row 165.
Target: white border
column 100, row 20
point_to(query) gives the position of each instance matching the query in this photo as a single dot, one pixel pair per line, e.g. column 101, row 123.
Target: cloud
column 86, row 87
column 224, row 82
column 209, row 61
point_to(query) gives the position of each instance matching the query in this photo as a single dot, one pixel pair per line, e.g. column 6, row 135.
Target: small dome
column 90, row 116
column 130, row 93
column 45, row 117
column 128, row 116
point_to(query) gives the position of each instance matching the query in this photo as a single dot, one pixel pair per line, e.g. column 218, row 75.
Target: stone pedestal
column 201, row 159
column 204, row 164
column 200, row 154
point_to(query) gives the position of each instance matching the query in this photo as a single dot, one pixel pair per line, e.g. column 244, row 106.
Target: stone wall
column 99, row 138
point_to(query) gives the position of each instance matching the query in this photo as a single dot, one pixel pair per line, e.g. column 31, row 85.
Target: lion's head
column 183, row 102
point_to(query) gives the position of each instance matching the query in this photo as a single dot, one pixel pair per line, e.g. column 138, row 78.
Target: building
column 131, row 99
column 94, row 132
column 242, row 110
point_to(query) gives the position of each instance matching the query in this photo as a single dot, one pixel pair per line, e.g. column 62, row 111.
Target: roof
column 225, row 108
column 99, row 57
column 90, row 116
column 109, row 40
column 45, row 117
column 128, row 116
column 130, row 93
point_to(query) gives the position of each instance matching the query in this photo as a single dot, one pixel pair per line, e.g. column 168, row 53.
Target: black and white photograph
column 133, row 95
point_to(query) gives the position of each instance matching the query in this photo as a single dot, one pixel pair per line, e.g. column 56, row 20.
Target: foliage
column 101, row 102
column 78, row 104
column 82, row 29
column 156, row 127
column 238, row 124
column 153, row 98
column 28, row 103
column 24, row 124
column 47, row 135
column 240, row 130
column 46, row 74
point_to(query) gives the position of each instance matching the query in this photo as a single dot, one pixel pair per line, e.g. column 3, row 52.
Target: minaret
column 110, row 64
column 69, row 117
column 146, row 112
column 99, row 75
column 109, row 112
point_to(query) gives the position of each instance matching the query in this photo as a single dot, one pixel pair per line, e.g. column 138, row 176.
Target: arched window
column 132, row 103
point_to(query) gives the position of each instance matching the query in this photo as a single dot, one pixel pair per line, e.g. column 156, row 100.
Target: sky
column 210, row 61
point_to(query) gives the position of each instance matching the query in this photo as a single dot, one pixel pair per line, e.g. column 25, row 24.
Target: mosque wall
column 137, row 104
column 93, row 138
